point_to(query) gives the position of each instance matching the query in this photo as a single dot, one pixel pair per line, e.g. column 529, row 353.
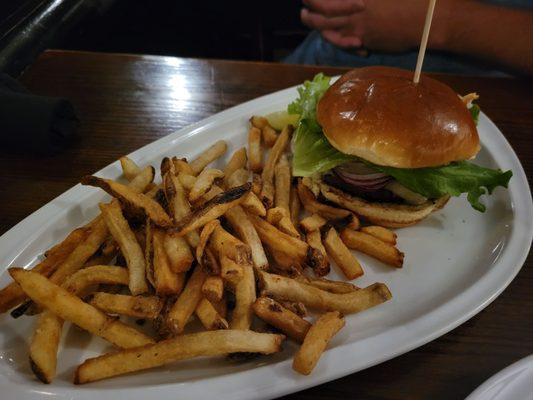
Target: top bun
column 380, row 115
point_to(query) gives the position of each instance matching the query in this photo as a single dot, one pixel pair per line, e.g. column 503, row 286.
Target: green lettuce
column 313, row 154
column 474, row 112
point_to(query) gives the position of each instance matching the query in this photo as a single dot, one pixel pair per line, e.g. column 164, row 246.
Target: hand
column 384, row 25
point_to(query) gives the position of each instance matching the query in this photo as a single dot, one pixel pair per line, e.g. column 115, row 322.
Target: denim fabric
column 315, row 50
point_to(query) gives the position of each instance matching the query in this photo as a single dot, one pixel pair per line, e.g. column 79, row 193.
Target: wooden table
column 126, row 101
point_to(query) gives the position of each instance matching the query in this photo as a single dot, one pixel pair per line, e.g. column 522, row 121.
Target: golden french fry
column 205, row 234
column 238, row 161
column 208, row 156
column 212, row 343
column 313, row 223
column 295, row 206
column 267, row 176
column 69, row 307
column 134, row 202
column 211, row 194
column 133, row 306
column 225, row 244
column 184, row 307
column 231, row 271
column 253, row 205
column 339, row 287
column 255, row 154
column 281, row 318
column 212, row 210
column 269, row 135
column 186, row 180
column 316, row 341
column 130, row 248
column 221, row 307
column 209, row 262
column 282, row 174
column 275, row 239
column 381, row 233
column 44, row 345
column 129, row 168
column 347, row 303
column 181, row 165
column 79, row 282
column 244, row 298
column 342, row 256
column 256, row 184
column 259, row 122
column 178, row 253
column 296, row 307
column 209, row 317
column 12, row 294
column 237, row 178
column 284, row 262
column 321, row 265
column 372, row 246
column 204, row 182
column 311, row 204
column 213, row 288
column 244, row 228
column 166, row 281
column 279, row 217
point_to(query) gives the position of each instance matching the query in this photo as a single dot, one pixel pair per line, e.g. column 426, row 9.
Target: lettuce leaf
column 453, row 179
column 474, row 112
column 312, row 154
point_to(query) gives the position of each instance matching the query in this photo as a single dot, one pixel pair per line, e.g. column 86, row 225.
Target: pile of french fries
column 230, row 248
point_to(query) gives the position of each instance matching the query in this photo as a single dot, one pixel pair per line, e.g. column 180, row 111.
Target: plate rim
column 521, row 202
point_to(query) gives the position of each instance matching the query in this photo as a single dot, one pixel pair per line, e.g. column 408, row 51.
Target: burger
column 391, row 150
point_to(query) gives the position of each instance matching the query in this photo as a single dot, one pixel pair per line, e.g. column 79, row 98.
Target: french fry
column 347, row 303
column 296, row 307
column 132, row 252
column 256, row 184
column 275, row 239
column 133, row 306
column 381, row 233
column 186, row 180
column 295, row 206
column 269, row 135
column 313, row 206
column 267, row 176
column 259, row 122
column 316, row 341
column 137, row 203
column 166, row 281
column 205, row 234
column 178, row 253
column 372, row 246
column 342, row 256
column 283, row 261
column 203, row 183
column 231, row 271
column 205, row 198
column 212, row 210
column 129, row 168
column 244, row 298
column 208, row 156
column 44, row 345
column 69, row 307
column 253, row 205
column 281, row 318
column 213, row 288
column 255, row 154
column 12, row 295
column 282, row 174
column 78, row 282
column 209, row 262
column 184, row 307
column 238, row 161
column 321, row 265
column 339, row 287
column 237, row 178
column 279, row 217
column 212, row 343
column 221, row 306
column 226, row 244
column 181, row 165
column 209, row 317
column 313, row 223
column 244, row 228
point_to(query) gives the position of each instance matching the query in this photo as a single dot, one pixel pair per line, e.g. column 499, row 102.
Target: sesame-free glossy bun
column 380, row 115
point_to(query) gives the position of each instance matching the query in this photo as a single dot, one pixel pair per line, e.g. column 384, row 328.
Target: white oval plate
column 512, row 383
column 457, row 262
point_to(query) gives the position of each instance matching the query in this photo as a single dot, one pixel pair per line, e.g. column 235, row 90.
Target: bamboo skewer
column 424, row 42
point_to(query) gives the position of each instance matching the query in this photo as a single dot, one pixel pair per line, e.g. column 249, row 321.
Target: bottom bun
column 388, row 215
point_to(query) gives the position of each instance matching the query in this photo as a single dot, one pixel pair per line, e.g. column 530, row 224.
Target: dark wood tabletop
column 127, row 101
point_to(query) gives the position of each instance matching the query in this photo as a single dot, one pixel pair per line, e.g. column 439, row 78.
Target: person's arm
column 495, row 34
